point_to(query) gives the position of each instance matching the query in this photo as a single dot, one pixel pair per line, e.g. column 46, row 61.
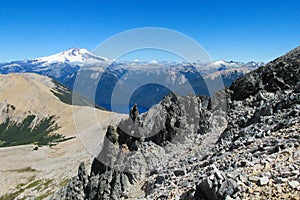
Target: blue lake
column 124, row 109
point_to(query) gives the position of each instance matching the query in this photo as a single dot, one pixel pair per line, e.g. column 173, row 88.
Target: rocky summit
column 242, row 143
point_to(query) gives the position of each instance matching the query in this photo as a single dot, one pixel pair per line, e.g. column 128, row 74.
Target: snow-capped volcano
column 60, row 66
column 72, row 55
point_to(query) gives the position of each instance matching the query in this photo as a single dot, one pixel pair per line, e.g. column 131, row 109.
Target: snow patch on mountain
column 72, row 55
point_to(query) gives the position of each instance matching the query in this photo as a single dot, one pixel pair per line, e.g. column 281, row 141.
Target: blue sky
column 230, row 30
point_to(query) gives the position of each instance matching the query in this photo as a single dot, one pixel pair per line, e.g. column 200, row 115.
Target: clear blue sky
column 241, row 30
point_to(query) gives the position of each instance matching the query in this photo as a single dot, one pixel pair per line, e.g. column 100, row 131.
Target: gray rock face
column 134, row 113
column 228, row 187
column 280, row 74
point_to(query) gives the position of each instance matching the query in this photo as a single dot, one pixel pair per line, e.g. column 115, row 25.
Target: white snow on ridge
column 222, row 63
column 72, row 55
column 153, row 62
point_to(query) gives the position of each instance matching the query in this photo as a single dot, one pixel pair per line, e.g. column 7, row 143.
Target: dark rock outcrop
column 205, row 190
column 280, row 74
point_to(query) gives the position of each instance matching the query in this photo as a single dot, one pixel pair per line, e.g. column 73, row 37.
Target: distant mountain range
column 146, row 82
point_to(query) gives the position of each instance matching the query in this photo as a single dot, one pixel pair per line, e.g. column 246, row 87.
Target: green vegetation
column 13, row 195
column 38, row 185
column 63, row 93
column 33, row 184
column 43, row 196
column 12, row 133
column 45, row 185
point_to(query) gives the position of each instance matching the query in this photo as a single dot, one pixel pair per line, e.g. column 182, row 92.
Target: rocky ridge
column 197, row 153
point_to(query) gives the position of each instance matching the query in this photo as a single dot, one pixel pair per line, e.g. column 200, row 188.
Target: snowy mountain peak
column 222, row 64
column 72, row 55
